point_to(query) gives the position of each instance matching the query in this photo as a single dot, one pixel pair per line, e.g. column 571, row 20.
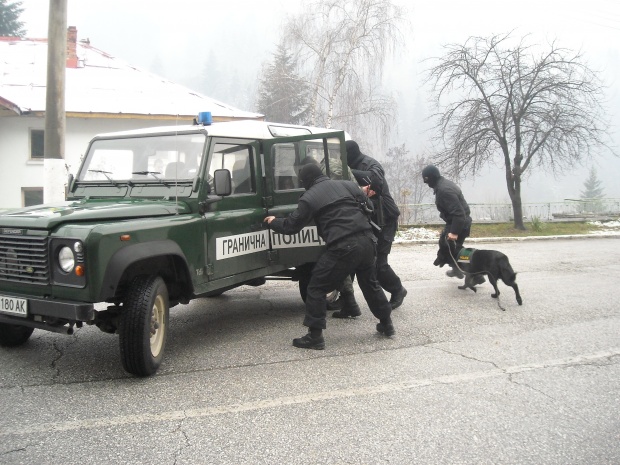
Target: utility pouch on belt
column 364, row 205
column 380, row 218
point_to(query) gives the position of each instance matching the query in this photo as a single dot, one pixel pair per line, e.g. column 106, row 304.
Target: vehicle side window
column 239, row 161
column 315, row 150
column 286, row 167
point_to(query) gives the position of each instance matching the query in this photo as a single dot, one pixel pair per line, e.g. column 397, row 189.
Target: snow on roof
column 100, row 84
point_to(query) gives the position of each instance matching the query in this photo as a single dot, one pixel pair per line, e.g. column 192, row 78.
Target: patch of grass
column 549, row 229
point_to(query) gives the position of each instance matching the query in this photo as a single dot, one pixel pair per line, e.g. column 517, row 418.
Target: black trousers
column 356, row 253
column 388, row 279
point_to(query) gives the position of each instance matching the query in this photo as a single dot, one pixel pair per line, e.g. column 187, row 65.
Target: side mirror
column 222, row 183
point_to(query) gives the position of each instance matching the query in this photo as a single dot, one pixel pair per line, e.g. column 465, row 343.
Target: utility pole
column 55, row 118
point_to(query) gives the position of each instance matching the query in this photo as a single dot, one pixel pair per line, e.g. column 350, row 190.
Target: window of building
column 32, row 196
column 36, row 144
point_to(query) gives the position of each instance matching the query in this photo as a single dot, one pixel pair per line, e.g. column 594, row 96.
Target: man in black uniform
column 337, row 210
column 454, row 210
column 369, row 172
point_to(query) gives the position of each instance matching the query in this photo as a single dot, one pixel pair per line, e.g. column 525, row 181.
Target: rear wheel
column 14, row 335
column 143, row 325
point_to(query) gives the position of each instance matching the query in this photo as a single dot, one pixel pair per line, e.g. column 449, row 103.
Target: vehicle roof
column 246, row 129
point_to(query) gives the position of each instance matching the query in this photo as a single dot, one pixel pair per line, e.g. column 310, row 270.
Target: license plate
column 13, row 306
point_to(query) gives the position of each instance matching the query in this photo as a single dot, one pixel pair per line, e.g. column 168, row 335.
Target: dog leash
column 455, row 261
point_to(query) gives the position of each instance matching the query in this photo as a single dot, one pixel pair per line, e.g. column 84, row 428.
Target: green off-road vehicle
column 155, row 218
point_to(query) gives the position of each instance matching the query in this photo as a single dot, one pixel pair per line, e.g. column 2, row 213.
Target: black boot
column 397, row 298
column 350, row 309
column 386, row 327
column 313, row 340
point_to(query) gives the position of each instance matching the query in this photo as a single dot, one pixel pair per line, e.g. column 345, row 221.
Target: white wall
column 16, row 168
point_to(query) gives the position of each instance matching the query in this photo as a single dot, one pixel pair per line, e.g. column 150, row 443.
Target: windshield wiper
column 105, row 173
column 152, row 173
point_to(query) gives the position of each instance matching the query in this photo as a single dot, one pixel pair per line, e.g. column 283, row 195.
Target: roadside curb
column 515, row 239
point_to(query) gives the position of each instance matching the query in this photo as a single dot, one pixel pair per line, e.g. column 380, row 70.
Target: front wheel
column 14, row 335
column 143, row 325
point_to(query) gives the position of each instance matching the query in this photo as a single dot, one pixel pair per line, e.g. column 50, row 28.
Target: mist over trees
column 404, row 176
column 283, row 94
column 340, row 46
column 592, row 188
column 10, row 25
column 515, row 104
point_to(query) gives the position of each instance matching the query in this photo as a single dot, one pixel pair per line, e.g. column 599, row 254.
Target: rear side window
column 289, row 156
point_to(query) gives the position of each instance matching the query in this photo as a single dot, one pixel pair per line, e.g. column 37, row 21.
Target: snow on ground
column 415, row 234
column 421, row 234
column 607, row 227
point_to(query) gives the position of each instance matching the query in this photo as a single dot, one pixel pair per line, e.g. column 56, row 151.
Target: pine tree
column 283, row 95
column 592, row 193
column 10, row 26
column 592, row 187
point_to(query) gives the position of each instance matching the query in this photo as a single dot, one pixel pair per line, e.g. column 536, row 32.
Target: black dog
column 476, row 263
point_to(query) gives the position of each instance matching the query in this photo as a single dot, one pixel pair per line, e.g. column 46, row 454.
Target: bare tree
column 404, row 176
column 343, row 44
column 517, row 105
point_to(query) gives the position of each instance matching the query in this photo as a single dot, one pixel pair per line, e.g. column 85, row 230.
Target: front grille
column 24, row 259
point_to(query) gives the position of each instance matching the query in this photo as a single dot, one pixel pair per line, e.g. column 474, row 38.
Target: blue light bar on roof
column 204, row 118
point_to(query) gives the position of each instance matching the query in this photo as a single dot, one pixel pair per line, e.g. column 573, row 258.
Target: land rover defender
column 154, row 218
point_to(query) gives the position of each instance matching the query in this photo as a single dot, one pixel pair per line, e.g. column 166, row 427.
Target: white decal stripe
column 307, row 237
column 241, row 244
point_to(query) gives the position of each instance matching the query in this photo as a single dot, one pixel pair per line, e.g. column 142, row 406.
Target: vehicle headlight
column 66, row 259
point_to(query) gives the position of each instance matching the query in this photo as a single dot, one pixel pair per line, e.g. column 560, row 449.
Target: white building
column 102, row 94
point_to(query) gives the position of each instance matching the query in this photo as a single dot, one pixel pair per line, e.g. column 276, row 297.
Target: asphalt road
column 462, row 382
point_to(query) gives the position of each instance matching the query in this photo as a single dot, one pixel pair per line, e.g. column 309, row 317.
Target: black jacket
column 367, row 170
column 453, row 208
column 335, row 207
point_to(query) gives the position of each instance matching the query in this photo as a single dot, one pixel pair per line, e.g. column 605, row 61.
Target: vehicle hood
column 50, row 216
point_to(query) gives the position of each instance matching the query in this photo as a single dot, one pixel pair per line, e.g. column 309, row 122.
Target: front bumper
column 45, row 309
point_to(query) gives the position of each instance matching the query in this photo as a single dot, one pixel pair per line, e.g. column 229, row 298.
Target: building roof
column 97, row 85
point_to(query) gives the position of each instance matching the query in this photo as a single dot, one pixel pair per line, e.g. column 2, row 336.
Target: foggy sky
column 176, row 39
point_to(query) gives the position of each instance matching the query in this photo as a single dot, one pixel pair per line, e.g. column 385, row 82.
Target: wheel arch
column 164, row 258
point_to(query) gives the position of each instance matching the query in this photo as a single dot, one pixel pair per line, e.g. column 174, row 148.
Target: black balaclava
column 431, row 175
column 308, row 174
column 353, row 153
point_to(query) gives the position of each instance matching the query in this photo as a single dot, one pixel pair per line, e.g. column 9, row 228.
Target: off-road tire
column 143, row 327
column 14, row 335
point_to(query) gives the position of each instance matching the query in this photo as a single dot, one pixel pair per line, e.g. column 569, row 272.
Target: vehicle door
column 236, row 240
column 283, row 158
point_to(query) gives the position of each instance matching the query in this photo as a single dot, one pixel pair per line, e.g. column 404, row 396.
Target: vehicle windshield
column 154, row 158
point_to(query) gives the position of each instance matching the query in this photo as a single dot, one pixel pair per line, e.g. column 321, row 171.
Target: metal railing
column 426, row 213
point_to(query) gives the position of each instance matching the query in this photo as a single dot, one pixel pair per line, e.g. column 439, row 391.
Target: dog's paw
column 494, row 296
column 520, row 301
